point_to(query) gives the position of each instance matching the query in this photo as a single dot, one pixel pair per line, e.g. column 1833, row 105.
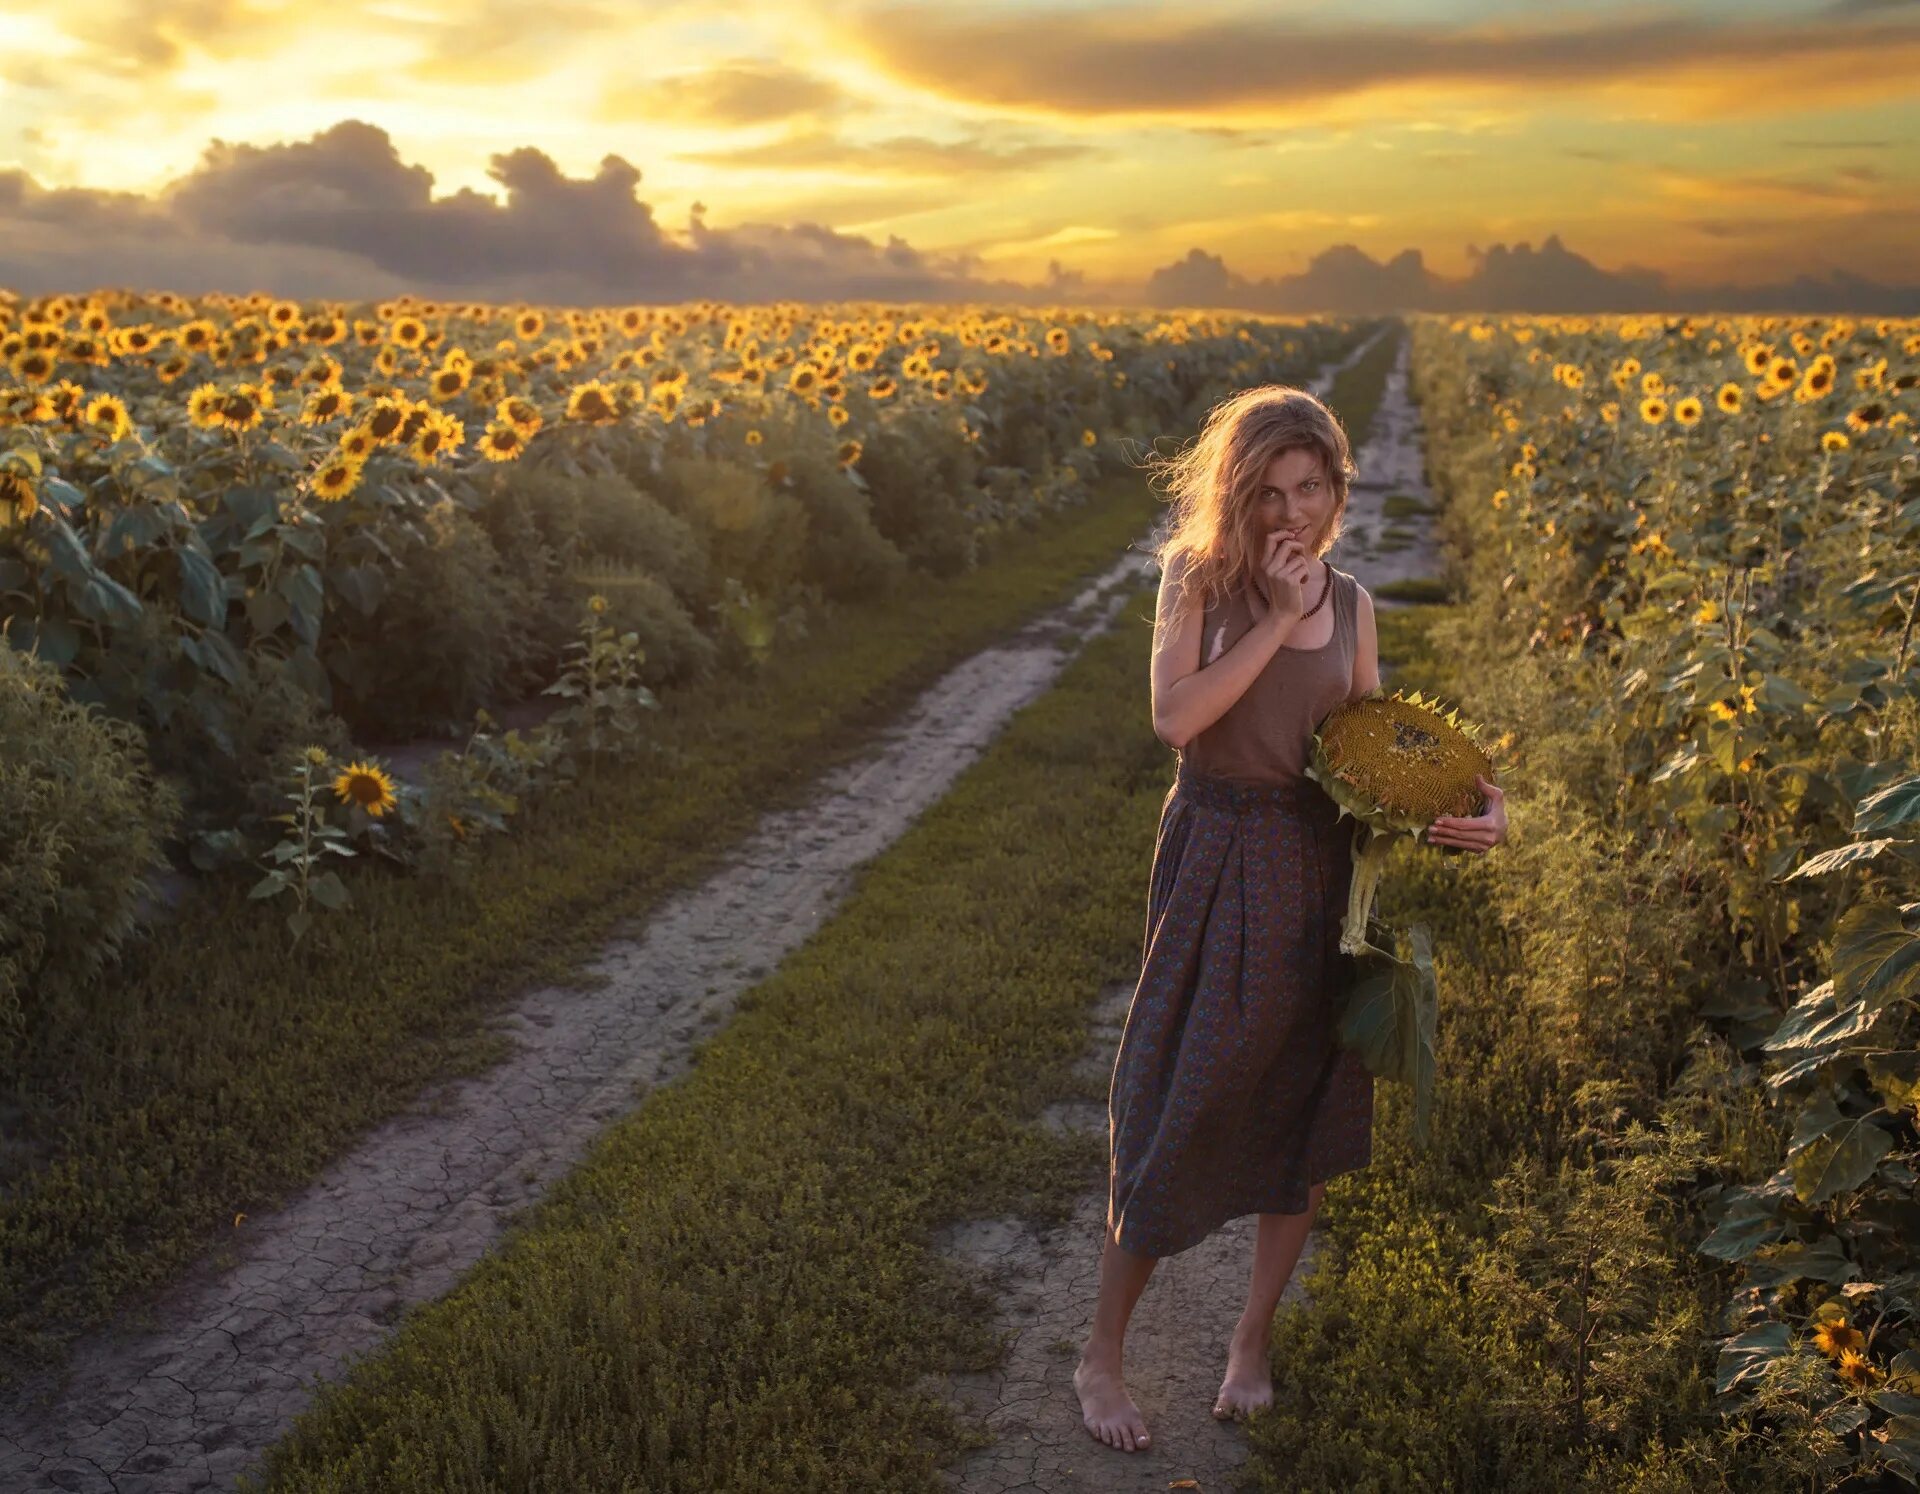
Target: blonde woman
column 1230, row 1094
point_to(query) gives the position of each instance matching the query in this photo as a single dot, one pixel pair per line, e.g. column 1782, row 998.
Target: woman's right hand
column 1281, row 583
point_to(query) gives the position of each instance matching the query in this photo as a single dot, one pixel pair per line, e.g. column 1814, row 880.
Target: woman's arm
column 1366, row 646
column 1187, row 698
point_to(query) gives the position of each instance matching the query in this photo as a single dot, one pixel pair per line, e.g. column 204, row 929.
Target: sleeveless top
column 1266, row 735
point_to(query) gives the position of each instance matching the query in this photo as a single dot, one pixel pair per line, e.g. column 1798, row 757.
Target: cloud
column 1169, row 62
column 731, row 95
column 904, row 155
column 341, row 215
column 1551, row 278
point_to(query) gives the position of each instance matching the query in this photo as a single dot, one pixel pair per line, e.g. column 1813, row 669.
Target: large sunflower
column 1395, row 763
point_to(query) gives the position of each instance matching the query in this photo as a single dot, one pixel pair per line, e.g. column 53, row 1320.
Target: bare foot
column 1249, row 1382
column 1107, row 1409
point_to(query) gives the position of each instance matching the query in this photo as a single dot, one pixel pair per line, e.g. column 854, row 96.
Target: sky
column 593, row 149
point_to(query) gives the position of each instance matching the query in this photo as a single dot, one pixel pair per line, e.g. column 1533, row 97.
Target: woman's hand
column 1281, row 582
column 1480, row 832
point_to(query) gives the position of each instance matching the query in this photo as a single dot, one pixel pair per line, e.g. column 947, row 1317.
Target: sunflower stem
column 1368, row 863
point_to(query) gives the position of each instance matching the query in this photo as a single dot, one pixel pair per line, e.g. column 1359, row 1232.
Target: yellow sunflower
column 1687, row 411
column 366, row 785
column 336, row 477
column 1653, row 409
column 502, row 442
column 107, row 413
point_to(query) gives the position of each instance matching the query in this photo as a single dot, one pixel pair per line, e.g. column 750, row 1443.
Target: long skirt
column 1230, row 1093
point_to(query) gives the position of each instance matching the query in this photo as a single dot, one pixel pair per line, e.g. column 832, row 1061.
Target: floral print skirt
column 1230, row 1093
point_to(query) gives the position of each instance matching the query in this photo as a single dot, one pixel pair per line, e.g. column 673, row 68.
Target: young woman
column 1230, row 1093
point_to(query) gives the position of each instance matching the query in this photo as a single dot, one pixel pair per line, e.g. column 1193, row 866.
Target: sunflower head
column 1398, row 762
column 366, row 785
column 1836, row 1336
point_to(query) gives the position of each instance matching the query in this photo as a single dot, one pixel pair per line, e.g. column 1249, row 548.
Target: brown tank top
column 1265, row 735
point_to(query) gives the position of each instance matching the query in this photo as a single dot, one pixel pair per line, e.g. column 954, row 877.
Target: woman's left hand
column 1480, row 832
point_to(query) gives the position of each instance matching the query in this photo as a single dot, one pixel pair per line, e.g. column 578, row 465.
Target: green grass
column 1413, row 589
column 736, row 1290
column 217, row 1072
column 1356, row 392
column 1405, row 506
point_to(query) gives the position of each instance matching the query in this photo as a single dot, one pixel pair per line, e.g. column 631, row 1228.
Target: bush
column 84, row 819
column 752, row 532
column 918, row 480
column 844, row 553
column 677, row 651
column 445, row 640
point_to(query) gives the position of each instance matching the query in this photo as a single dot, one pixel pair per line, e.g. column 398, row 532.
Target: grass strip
column 1358, row 389
column 735, row 1289
column 217, row 1072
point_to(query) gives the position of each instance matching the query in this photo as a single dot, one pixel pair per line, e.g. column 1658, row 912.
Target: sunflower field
column 257, row 532
column 1692, row 567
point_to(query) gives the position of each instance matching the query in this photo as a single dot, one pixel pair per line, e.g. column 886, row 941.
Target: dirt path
column 189, row 1403
column 1048, row 1279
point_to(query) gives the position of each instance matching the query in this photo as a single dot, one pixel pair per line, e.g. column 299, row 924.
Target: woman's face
column 1295, row 496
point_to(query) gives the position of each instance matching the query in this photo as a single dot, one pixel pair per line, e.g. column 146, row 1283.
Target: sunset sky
column 1714, row 143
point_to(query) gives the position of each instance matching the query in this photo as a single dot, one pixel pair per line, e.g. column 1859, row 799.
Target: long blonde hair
column 1213, row 485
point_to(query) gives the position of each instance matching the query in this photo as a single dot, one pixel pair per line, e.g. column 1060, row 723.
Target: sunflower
column 239, row 409
column 502, row 442
column 108, row 414
column 1729, row 398
column 592, row 402
column 1836, row 1336
column 356, row 443
column 1395, row 763
column 336, row 477
column 450, row 381
column 34, row 366
column 327, row 404
column 438, row 435
column 18, row 500
column 1834, row 441
column 848, row 452
column 1856, row 1369
column 1653, row 409
column 1687, row 411
column 522, row 414
column 882, row 388
column 1866, row 417
column 366, row 785
column 388, row 417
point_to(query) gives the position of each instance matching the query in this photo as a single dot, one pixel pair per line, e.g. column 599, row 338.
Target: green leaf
column 1896, row 1076
column 271, row 883
column 1814, row 1021
column 1875, row 959
column 1746, row 1356
column 1800, row 1260
column 1737, row 1237
column 1838, row 857
column 203, row 593
column 1831, row 1153
column 1896, row 804
column 1390, row 1016
column 328, row 890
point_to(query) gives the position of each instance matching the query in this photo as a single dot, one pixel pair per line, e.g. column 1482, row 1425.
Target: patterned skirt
column 1231, row 1094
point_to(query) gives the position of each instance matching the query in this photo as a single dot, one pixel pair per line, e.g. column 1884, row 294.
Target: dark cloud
column 1551, row 278
column 1148, row 62
column 341, row 216
column 734, row 94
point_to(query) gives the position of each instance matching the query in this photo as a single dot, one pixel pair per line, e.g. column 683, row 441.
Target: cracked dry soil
column 1048, row 1278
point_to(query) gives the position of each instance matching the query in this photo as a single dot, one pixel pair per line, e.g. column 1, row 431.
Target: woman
column 1230, row 1093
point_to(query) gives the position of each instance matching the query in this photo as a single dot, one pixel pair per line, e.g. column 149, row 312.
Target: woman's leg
column 1249, row 1382
column 1105, row 1406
